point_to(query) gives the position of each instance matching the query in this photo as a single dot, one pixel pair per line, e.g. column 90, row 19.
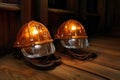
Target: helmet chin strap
column 43, row 63
column 81, row 54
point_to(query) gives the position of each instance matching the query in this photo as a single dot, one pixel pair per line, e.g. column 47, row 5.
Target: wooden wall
column 8, row 27
column 13, row 14
column 9, row 22
column 10, row 1
column 113, row 13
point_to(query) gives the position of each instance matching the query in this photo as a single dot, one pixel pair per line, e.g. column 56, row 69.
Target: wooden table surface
column 106, row 66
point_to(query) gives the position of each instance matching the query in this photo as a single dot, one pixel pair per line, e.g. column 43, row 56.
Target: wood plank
column 5, row 29
column 23, row 72
column 108, row 61
column 9, row 7
column 97, row 69
column 103, row 50
column 26, row 11
column 106, row 42
column 102, row 38
column 1, row 28
column 104, row 67
column 69, row 73
column 14, row 25
column 15, row 69
column 107, row 46
column 8, row 28
column 10, row 1
column 108, row 56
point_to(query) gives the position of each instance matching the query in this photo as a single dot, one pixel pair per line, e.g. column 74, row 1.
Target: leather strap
column 80, row 54
column 43, row 63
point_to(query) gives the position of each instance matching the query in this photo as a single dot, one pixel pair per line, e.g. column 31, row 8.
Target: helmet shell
column 32, row 33
column 71, row 29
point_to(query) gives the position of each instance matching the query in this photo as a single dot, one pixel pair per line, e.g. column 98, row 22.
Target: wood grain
column 9, row 7
column 26, row 11
column 106, row 66
column 15, row 69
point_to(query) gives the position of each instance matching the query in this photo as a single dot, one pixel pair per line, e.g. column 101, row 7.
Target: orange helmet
column 72, row 34
column 34, row 40
column 71, row 29
column 32, row 33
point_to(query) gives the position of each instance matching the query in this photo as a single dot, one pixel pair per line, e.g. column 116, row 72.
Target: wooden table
column 104, row 67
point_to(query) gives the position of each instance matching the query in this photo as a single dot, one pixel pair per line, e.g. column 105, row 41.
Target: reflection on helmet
column 72, row 34
column 38, row 50
column 34, row 40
